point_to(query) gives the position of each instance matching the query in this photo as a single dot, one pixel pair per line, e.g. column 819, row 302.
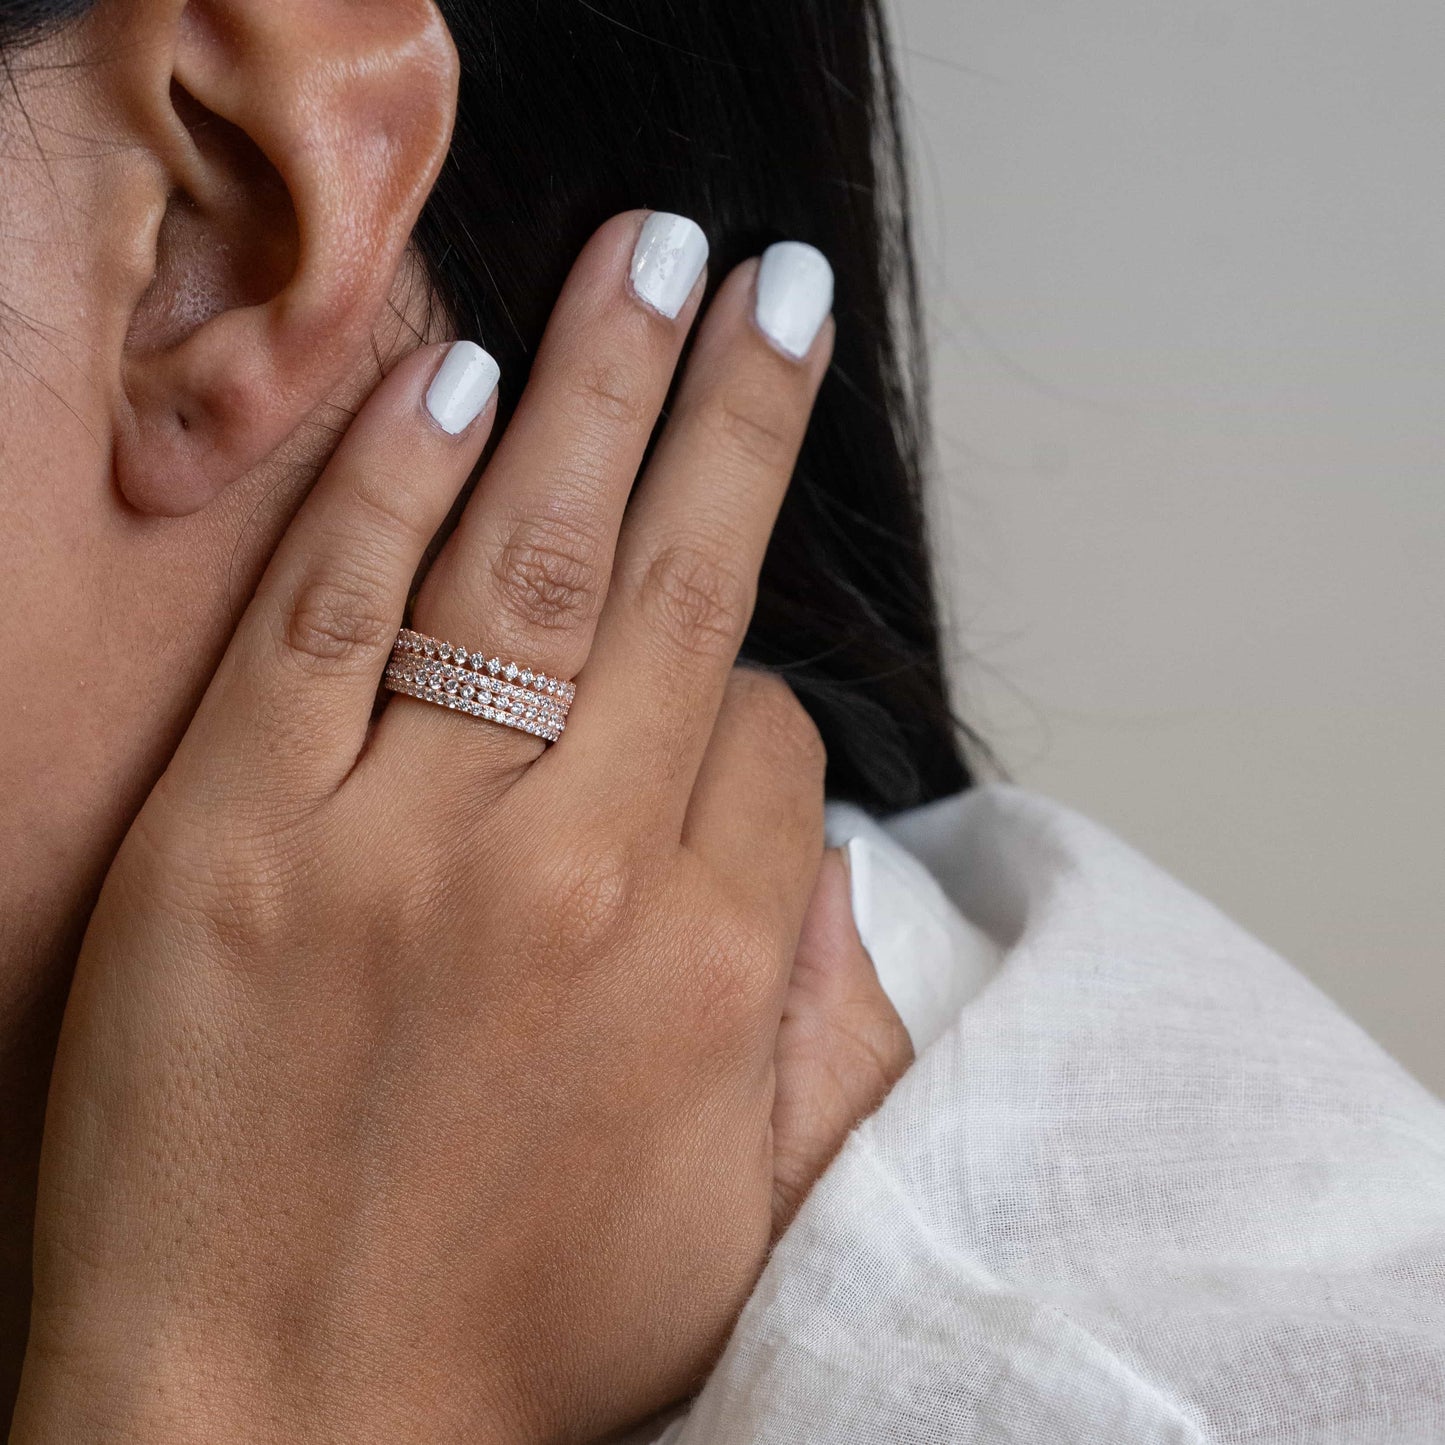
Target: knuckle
column 586, row 894
column 250, row 909
column 699, row 603
column 756, row 425
column 269, row 898
column 609, row 392
column 237, row 891
column 785, row 730
column 736, row 970
column 338, row 615
column 550, row 573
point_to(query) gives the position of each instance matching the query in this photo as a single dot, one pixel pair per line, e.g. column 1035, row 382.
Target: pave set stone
column 486, row 687
column 420, row 645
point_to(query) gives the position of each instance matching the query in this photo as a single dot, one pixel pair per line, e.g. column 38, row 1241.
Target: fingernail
column 667, row 260
column 463, row 385
column 795, row 295
column 929, row 959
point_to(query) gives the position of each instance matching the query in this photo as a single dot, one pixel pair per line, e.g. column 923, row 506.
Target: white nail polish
column 667, row 260
column 795, row 295
column 463, row 385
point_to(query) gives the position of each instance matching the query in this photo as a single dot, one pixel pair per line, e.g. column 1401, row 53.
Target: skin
column 185, row 375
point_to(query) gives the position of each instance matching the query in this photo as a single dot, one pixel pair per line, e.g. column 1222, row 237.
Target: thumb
column 841, row 1045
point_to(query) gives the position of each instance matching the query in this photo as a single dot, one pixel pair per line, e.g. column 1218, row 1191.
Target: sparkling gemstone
column 494, row 665
column 446, row 650
column 461, row 655
column 511, row 672
column 430, row 650
column 469, row 692
column 526, row 678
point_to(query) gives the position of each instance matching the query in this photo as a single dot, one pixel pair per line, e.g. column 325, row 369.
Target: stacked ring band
column 486, row 687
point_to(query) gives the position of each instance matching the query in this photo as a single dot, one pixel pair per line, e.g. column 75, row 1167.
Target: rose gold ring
column 486, row 687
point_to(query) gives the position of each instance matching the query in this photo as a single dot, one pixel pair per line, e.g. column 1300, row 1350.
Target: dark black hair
column 762, row 120
column 24, row 20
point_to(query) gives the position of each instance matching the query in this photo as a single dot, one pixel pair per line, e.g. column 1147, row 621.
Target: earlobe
column 299, row 143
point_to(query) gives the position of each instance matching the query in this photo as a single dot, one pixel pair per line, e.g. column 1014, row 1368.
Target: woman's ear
column 296, row 142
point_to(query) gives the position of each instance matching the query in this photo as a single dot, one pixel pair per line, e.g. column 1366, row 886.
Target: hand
column 416, row 1081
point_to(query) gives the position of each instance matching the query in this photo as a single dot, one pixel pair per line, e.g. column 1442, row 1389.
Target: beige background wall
column 1186, row 269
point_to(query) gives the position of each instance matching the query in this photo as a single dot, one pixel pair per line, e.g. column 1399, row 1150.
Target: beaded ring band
column 486, row 687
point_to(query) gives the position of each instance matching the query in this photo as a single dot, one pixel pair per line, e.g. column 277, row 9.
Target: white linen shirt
column 1144, row 1183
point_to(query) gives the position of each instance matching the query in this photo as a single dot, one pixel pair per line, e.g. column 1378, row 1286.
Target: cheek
column 113, row 624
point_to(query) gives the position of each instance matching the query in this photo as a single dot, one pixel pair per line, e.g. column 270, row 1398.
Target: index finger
column 291, row 702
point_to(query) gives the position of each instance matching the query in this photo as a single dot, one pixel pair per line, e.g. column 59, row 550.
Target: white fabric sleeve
column 1149, row 1186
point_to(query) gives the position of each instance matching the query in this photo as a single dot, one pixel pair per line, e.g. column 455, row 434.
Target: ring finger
column 524, row 575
